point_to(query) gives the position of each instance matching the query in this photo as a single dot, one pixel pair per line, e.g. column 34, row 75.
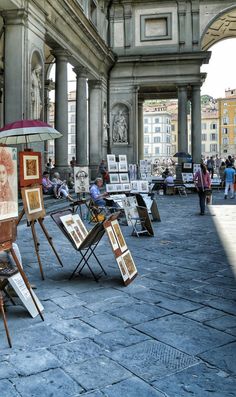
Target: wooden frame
column 32, row 198
column 30, row 168
column 8, row 183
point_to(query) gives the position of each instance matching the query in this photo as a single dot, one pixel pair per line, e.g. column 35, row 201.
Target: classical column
column 61, row 109
column 182, row 119
column 196, row 132
column 49, row 85
column 95, row 125
column 81, row 136
column 140, row 131
column 15, row 61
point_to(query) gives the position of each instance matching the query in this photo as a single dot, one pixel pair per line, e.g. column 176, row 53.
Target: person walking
column 210, row 166
column 229, row 178
column 202, row 182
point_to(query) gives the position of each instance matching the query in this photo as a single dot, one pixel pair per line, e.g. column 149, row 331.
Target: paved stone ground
column 172, row 332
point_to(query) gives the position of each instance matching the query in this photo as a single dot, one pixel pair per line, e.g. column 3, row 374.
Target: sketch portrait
column 81, row 178
column 8, row 183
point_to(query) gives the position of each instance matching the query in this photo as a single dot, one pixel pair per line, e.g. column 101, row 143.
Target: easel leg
column 20, row 217
column 4, row 320
column 36, row 245
column 49, row 238
column 23, row 275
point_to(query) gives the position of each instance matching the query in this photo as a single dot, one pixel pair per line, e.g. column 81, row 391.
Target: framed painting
column 32, row 198
column 114, row 178
column 30, row 168
column 119, row 236
column 81, row 179
column 111, row 158
column 129, row 263
column 113, row 167
column 123, row 268
column 123, row 167
column 124, row 178
column 8, row 183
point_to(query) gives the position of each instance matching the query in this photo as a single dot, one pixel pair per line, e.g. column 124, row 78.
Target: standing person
column 210, row 166
column 229, row 177
column 73, row 162
column 202, row 182
column 217, row 164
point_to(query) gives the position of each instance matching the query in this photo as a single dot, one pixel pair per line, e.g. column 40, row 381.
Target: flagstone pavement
column 170, row 333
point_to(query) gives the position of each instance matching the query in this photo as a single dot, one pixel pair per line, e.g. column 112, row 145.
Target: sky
column 221, row 70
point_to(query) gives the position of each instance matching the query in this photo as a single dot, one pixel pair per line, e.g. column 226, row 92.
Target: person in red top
column 202, row 182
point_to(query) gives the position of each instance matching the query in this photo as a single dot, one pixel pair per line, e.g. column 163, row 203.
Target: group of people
column 56, row 186
column 217, row 164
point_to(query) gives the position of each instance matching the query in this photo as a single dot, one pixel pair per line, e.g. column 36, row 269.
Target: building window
column 157, row 129
column 72, row 108
column 225, row 141
column 146, row 139
column 72, row 129
column 213, row 126
column 172, row 127
column 213, row 147
column 72, row 139
column 213, row 137
column 173, row 138
column 156, row 27
column 146, row 130
column 156, row 139
column 203, row 148
column 168, row 139
column 146, row 121
column 204, row 137
column 225, row 130
column 203, row 126
column 157, row 150
column 145, row 149
column 157, row 121
column 225, row 120
column 72, row 118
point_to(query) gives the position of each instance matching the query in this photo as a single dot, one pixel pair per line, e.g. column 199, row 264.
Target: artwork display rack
column 87, row 247
column 7, row 237
column 31, row 224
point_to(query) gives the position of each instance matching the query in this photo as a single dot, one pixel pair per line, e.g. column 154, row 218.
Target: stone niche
column 120, row 124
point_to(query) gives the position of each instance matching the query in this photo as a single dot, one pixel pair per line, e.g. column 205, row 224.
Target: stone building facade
column 122, row 51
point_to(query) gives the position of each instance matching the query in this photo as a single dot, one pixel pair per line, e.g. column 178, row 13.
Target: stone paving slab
column 133, row 387
column 222, row 357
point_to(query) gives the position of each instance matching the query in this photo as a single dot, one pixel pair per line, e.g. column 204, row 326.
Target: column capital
column 196, row 86
column 80, row 71
column 61, row 54
column 140, row 102
column 182, row 87
column 14, row 17
column 97, row 84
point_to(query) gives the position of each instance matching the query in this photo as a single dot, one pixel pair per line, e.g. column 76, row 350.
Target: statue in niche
column 36, row 92
column 120, row 128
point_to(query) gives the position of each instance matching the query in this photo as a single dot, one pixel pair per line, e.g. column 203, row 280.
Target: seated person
column 165, row 173
column 169, row 181
column 96, row 194
column 48, row 186
column 61, row 187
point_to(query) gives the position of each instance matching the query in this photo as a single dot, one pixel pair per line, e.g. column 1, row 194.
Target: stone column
column 48, row 86
column 61, row 109
column 196, row 133
column 140, row 131
column 182, row 119
column 15, row 59
column 81, row 136
column 95, row 125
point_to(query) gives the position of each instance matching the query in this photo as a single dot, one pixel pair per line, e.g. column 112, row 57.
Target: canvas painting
column 32, row 198
column 123, row 167
column 119, row 236
column 114, row 178
column 112, row 167
column 81, row 179
column 112, row 238
column 124, row 178
column 130, row 265
column 30, row 168
column 123, row 268
column 8, row 183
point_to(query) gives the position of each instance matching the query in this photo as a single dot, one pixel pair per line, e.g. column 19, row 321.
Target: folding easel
column 7, row 237
column 88, row 246
column 31, row 223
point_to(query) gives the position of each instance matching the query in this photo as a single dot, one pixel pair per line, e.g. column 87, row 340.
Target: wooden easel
column 36, row 242
column 9, row 235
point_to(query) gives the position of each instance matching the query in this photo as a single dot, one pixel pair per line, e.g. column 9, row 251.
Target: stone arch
column 120, row 116
column 220, row 27
column 36, row 85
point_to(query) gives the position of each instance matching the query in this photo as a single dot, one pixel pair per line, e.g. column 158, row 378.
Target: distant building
column 227, row 120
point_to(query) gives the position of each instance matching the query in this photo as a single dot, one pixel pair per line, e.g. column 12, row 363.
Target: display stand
column 87, row 247
column 31, row 223
column 143, row 214
column 153, row 208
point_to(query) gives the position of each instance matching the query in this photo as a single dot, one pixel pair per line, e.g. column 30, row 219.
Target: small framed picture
column 123, row 167
column 123, row 268
column 8, row 183
column 112, row 238
column 134, row 186
column 111, row 158
column 126, row 187
column 129, row 263
column 124, row 178
column 110, row 187
column 114, row 178
column 119, row 236
column 119, row 187
column 113, row 167
column 143, row 186
column 81, row 179
column 30, row 168
column 32, row 198
column 122, row 158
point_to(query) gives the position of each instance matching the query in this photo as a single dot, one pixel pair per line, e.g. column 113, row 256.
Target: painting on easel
column 32, row 198
column 30, row 168
column 8, row 183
